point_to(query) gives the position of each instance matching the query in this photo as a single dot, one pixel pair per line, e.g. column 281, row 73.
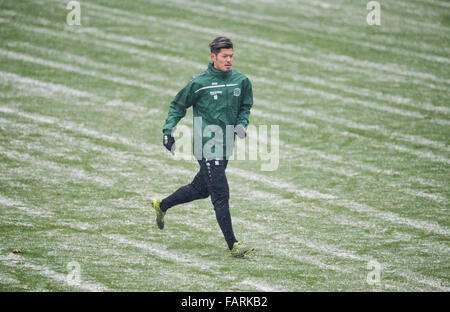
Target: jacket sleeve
column 177, row 110
column 246, row 104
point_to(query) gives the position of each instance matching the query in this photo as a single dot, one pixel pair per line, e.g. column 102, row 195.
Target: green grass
column 364, row 147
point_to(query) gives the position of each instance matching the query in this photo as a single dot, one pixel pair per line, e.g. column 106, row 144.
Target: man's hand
column 169, row 143
column 240, row 131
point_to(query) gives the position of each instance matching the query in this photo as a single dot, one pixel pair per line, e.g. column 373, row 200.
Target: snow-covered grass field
column 362, row 189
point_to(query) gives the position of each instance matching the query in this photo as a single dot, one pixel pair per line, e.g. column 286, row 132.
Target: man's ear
column 213, row 57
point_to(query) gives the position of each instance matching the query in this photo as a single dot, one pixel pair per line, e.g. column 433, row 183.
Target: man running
column 221, row 99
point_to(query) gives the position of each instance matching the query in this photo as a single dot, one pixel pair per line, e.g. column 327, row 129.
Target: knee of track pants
column 220, row 201
column 202, row 193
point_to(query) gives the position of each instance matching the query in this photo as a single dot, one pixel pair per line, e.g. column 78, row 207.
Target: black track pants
column 209, row 181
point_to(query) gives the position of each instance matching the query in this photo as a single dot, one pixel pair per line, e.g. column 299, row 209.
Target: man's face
column 223, row 60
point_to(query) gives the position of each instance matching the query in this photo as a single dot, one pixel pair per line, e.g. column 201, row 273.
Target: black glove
column 169, row 143
column 240, row 131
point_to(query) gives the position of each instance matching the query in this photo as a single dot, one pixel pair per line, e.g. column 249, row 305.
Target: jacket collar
column 218, row 73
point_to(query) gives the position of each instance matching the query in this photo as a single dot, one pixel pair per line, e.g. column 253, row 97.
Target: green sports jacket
column 221, row 99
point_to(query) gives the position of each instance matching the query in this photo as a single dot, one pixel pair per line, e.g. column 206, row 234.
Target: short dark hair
column 220, row 43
